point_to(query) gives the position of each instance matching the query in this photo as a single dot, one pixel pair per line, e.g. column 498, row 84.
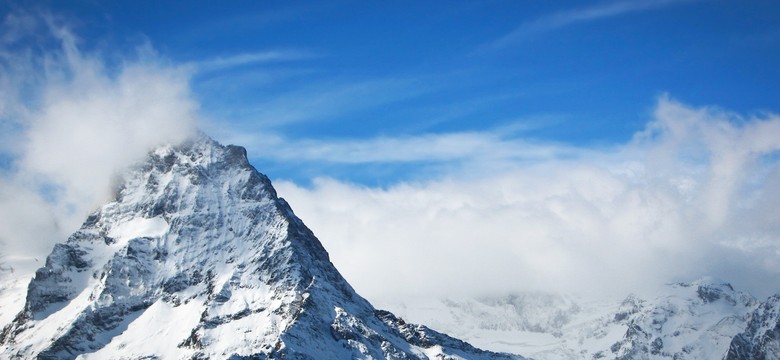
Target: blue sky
column 582, row 73
column 556, row 143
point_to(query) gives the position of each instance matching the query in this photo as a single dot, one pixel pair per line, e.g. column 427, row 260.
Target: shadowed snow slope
column 197, row 257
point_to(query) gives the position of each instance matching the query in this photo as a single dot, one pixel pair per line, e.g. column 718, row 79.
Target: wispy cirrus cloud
column 251, row 58
column 576, row 16
column 423, row 148
column 324, row 99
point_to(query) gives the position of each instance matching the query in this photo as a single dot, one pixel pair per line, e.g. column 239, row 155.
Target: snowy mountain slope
column 761, row 338
column 698, row 320
column 198, row 258
column 13, row 288
column 691, row 321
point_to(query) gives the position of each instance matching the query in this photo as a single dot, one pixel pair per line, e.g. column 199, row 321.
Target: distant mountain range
column 704, row 319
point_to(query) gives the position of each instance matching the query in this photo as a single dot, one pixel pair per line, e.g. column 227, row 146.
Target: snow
column 139, row 227
column 13, row 289
column 144, row 337
column 51, row 326
column 693, row 321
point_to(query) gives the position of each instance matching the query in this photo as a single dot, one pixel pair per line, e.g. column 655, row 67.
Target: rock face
column 691, row 321
column 198, row 258
column 761, row 338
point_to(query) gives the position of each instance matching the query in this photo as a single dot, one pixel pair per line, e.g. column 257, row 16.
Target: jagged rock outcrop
column 693, row 321
column 761, row 338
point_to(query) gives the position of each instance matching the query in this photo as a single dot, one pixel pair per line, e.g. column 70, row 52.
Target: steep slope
column 696, row 320
column 691, row 321
column 198, row 258
column 761, row 338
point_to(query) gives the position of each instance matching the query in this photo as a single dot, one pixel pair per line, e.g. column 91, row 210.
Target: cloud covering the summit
column 72, row 120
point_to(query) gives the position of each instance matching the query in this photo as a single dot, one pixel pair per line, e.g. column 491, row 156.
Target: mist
column 71, row 121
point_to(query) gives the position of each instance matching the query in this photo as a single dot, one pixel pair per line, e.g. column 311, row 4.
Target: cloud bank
column 694, row 194
column 71, row 120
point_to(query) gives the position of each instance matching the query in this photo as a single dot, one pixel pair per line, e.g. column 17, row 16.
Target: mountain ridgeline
column 198, row 258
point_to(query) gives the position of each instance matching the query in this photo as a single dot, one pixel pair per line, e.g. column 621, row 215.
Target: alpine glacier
column 198, row 258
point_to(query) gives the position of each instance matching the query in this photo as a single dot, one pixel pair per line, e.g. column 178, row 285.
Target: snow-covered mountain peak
column 197, row 257
column 709, row 290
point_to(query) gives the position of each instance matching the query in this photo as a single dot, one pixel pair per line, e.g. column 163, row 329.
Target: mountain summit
column 197, row 257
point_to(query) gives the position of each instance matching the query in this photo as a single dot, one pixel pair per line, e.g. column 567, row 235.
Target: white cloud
column 74, row 120
column 692, row 195
column 443, row 147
